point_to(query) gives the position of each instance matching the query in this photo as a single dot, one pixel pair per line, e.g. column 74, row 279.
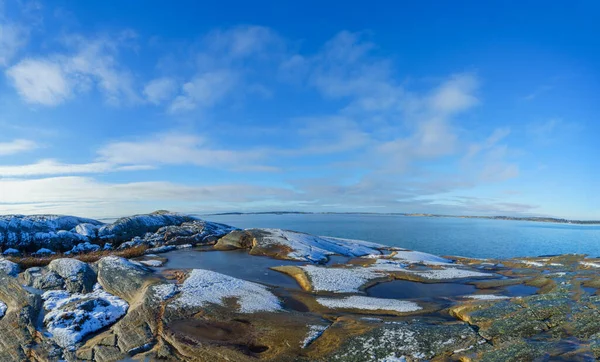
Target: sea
column 476, row 238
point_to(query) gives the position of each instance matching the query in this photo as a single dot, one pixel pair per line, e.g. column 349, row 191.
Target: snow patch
column 314, row 332
column 448, row 273
column 3, row 309
column 339, row 280
column 205, row 286
column 485, row 297
column 369, row 303
column 72, row 317
column 306, row 247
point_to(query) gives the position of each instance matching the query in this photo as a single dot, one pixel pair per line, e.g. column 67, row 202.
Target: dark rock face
column 18, row 325
column 41, row 278
column 122, row 277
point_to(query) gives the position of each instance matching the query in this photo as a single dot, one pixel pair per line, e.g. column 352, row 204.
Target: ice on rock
column 205, row 286
column 152, row 263
column 3, row 308
column 71, row 317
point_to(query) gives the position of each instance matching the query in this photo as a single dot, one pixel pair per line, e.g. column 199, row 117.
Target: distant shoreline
column 515, row 218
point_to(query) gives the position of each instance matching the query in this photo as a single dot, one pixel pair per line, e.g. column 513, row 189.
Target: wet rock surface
column 450, row 309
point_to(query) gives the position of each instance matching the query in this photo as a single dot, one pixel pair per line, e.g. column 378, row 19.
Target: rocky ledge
column 328, row 299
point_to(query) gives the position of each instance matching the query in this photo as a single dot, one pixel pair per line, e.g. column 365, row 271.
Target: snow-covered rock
column 9, row 267
column 88, row 230
column 78, row 276
column 204, row 286
column 71, row 317
column 369, row 303
column 126, row 228
column 43, row 251
column 314, row 332
column 11, row 251
column 84, row 248
column 284, row 244
column 339, row 280
column 41, row 231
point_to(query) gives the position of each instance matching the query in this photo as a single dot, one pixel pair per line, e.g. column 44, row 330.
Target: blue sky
column 112, row 108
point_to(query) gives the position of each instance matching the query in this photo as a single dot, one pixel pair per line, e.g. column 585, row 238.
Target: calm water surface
column 477, row 238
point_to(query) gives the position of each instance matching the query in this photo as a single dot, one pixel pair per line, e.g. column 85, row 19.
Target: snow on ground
column 411, row 256
column 448, row 273
column 205, row 286
column 590, row 264
column 486, row 297
column 163, row 292
column 369, row 303
column 71, row 317
column 306, row 247
column 339, row 280
column 3, row 309
column 532, row 263
column 314, row 332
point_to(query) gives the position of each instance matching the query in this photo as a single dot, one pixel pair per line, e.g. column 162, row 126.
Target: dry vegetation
column 32, row 261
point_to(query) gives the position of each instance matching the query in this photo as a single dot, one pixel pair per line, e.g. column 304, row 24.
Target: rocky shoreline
column 66, row 294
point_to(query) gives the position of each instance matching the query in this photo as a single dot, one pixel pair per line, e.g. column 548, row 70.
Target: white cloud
column 204, row 90
column 12, row 38
column 160, row 90
column 40, row 81
column 175, row 149
column 95, row 62
column 16, row 146
column 242, row 41
column 456, row 94
column 89, row 197
column 53, row 167
column 91, row 63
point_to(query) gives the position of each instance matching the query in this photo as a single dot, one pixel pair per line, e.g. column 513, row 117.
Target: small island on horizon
column 499, row 217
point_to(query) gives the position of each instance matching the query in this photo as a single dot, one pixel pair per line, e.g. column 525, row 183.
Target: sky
column 110, row 108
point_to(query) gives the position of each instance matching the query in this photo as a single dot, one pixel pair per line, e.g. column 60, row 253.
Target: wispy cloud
column 16, row 146
column 89, row 63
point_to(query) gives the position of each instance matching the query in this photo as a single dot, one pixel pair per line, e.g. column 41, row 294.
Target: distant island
column 518, row 218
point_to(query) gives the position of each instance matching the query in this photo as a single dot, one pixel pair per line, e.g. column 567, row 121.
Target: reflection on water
column 235, row 263
column 403, row 289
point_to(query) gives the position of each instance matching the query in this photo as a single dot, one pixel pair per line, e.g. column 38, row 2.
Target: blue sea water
column 478, row 238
